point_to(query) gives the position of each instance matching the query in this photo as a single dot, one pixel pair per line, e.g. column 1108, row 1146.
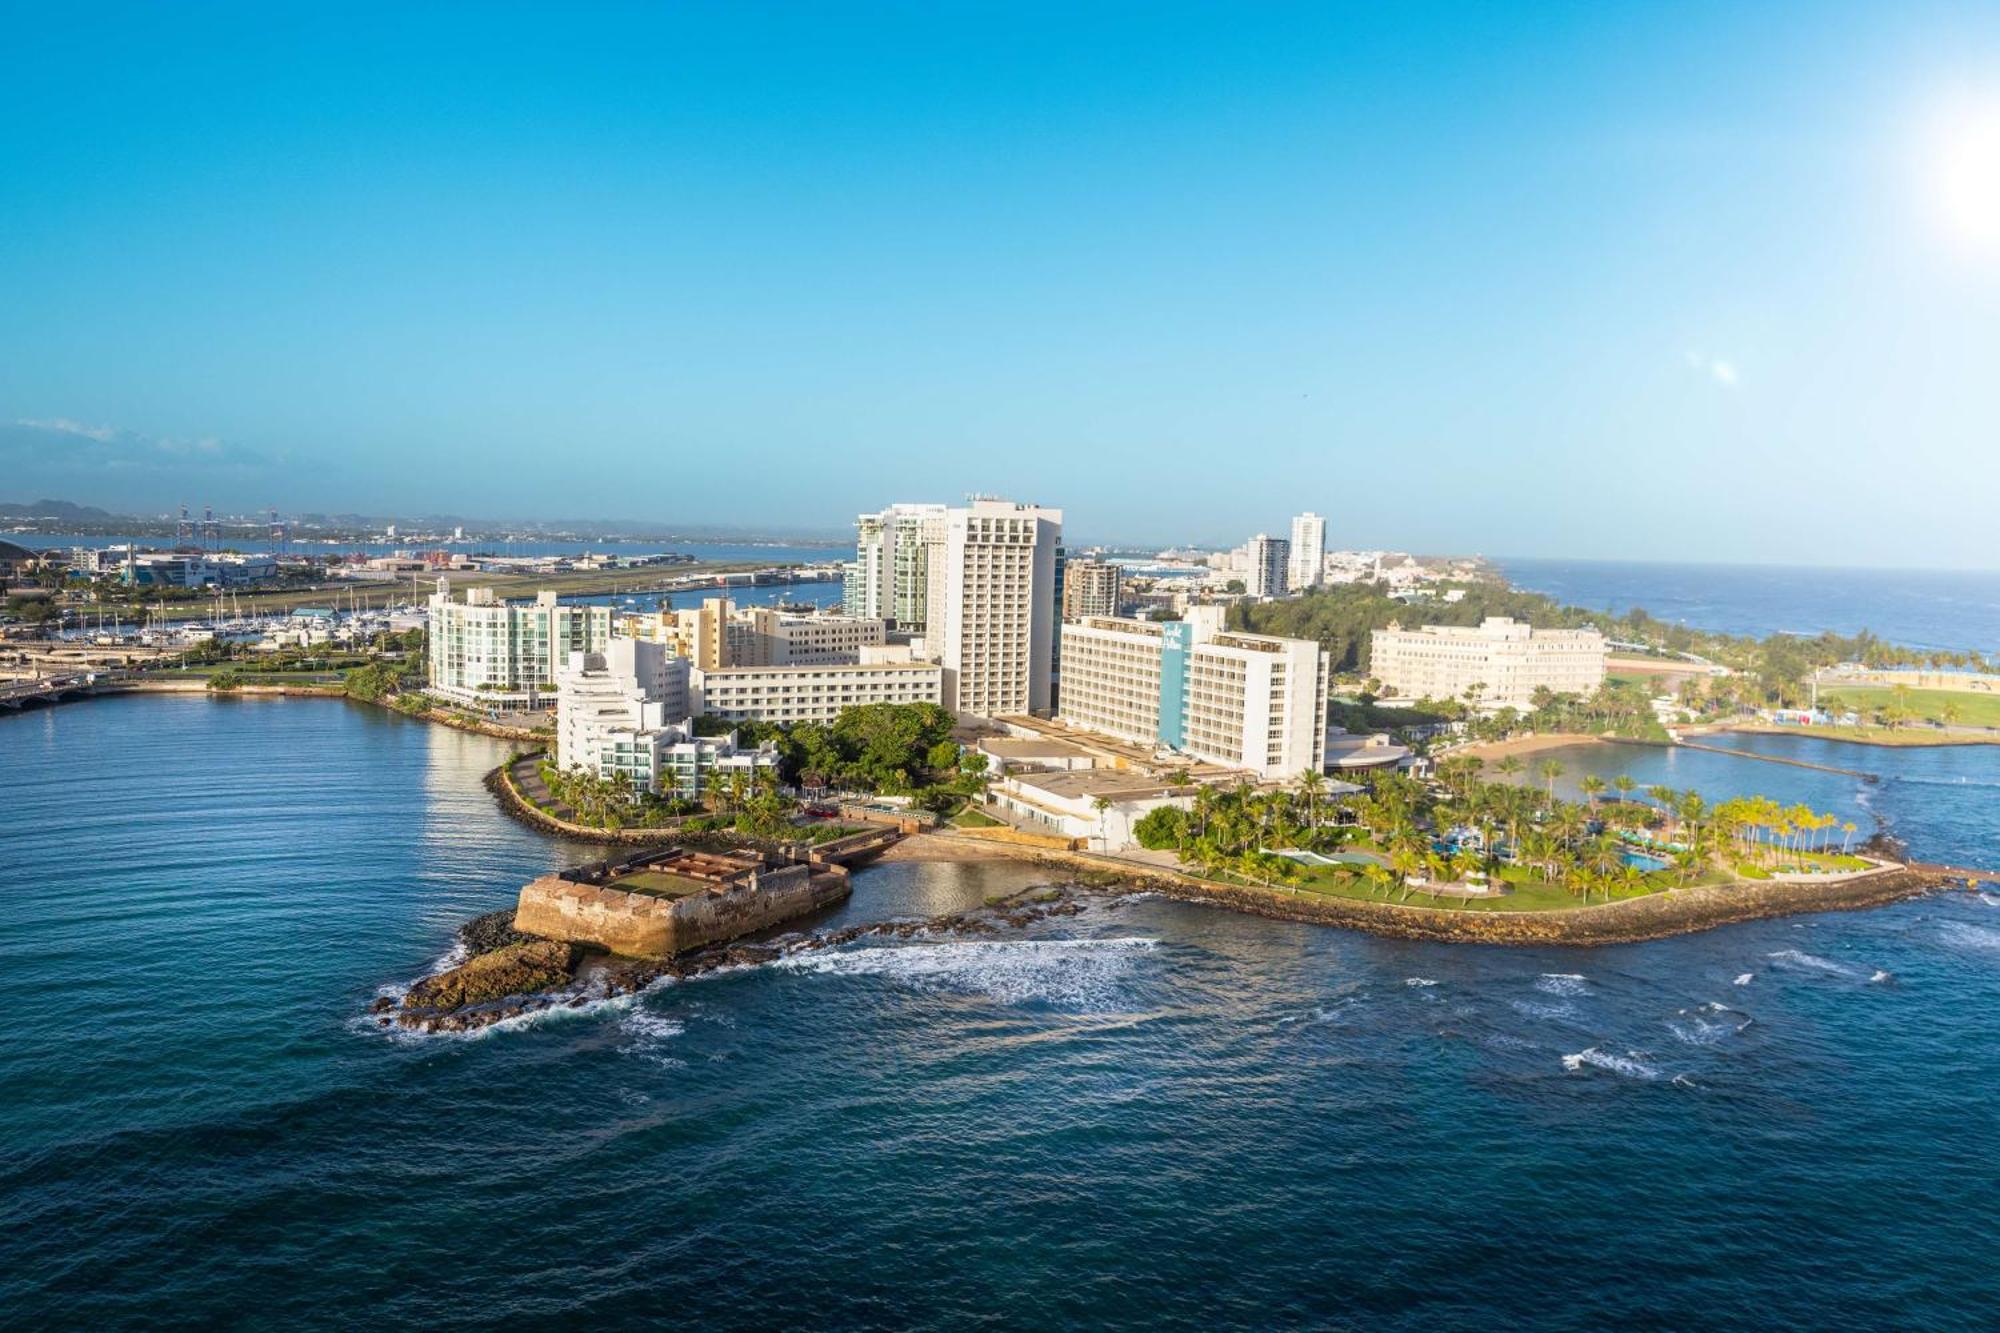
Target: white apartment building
column 1091, row 588
column 889, row 577
column 1308, row 558
column 492, row 654
column 1506, row 659
column 1248, row 701
column 992, row 607
column 613, row 716
column 811, row 693
column 628, row 685
column 1269, row 561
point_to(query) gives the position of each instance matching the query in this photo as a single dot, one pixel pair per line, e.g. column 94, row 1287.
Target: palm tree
column 1509, row 765
column 1102, row 804
column 1312, row 785
column 1624, row 784
column 1847, row 838
column 1593, row 787
column 1550, row 771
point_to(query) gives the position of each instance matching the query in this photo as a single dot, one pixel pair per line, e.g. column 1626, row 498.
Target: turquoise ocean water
column 1152, row 1114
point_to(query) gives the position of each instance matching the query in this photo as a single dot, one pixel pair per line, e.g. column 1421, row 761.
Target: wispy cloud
column 1720, row 371
column 64, row 426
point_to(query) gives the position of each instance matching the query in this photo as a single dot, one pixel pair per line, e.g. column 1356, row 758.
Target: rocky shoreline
column 1629, row 921
column 508, row 974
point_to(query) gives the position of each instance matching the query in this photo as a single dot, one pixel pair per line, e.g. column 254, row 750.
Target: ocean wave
column 1743, row 978
column 1562, row 983
column 1707, row 1025
column 1542, row 1009
column 649, row 1032
column 1628, row 1065
column 1418, row 981
column 1801, row 961
column 1964, row 934
column 1081, row 973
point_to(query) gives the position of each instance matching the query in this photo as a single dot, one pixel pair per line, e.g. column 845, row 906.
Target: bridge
column 18, row 694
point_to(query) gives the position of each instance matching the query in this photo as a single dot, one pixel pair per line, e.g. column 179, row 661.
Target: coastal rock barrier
column 1656, row 916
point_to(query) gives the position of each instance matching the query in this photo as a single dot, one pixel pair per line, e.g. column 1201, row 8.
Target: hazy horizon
column 1699, row 285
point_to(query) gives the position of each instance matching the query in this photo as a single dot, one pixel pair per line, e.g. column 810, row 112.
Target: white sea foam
column 1066, row 972
column 1695, row 1030
column 1801, row 961
column 1743, row 979
column 1990, row 899
column 1543, row 1009
column 1561, row 983
column 1965, row 935
column 1882, row 977
column 1628, row 1065
column 1418, row 981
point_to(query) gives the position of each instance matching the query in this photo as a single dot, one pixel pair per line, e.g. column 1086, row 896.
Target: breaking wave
column 1800, row 961
column 1628, row 1065
column 1966, row 935
column 1561, row 983
column 1080, row 973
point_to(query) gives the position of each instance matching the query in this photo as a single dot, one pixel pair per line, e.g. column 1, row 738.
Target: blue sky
column 1631, row 281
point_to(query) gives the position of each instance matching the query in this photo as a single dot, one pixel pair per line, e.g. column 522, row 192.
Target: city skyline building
column 1307, row 567
column 992, row 602
column 1269, row 559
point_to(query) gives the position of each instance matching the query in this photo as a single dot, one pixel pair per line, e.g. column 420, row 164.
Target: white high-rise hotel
column 1308, row 562
column 993, row 607
column 1248, row 701
column 979, row 583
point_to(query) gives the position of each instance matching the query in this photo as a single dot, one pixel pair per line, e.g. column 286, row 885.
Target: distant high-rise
column 889, row 577
column 992, row 608
column 1091, row 588
column 1269, row 559
column 1308, row 561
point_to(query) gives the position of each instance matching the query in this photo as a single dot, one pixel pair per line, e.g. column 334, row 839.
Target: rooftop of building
column 1091, row 783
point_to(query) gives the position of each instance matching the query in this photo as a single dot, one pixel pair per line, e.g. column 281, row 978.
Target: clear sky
column 1709, row 281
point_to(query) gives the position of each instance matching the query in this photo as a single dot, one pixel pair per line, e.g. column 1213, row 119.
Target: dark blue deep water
column 1953, row 610
column 1151, row 1114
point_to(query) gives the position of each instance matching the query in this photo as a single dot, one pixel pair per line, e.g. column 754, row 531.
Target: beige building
column 716, row 635
column 1246, row 701
column 1091, row 588
column 1503, row 661
column 811, row 693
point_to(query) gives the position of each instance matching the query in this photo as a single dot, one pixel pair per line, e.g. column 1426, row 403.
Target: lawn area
column 659, row 884
column 1975, row 708
column 971, row 818
column 1530, row 894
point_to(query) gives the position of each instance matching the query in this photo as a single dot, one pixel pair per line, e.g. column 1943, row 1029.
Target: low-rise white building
column 1065, row 803
column 811, row 693
column 613, row 716
column 1503, row 661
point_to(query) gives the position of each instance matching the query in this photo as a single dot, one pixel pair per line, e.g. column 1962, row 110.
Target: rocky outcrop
column 452, row 999
column 495, row 930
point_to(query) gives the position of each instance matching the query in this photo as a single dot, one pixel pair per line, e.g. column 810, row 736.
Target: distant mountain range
column 59, row 510
column 68, row 516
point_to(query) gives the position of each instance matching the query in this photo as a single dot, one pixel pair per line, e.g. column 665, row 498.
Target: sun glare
column 1965, row 173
